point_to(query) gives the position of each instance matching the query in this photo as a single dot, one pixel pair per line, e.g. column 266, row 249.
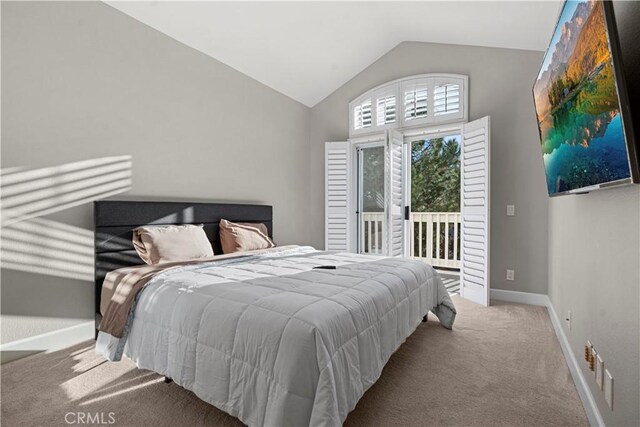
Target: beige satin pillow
column 236, row 237
column 170, row 243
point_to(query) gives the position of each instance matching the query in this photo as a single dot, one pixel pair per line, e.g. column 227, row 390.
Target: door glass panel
column 372, row 220
column 435, row 218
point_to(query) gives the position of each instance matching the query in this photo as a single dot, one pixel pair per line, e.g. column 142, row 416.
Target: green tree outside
column 435, row 175
column 435, row 184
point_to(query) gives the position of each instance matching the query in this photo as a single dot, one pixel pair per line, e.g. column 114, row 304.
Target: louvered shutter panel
column 386, row 110
column 394, row 194
column 416, row 102
column 446, row 99
column 337, row 196
column 475, row 176
column 362, row 115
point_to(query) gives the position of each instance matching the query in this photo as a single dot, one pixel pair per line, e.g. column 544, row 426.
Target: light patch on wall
column 42, row 246
column 33, row 193
column 48, row 247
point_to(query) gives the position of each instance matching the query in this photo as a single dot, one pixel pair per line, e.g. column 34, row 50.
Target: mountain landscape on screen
column 577, row 104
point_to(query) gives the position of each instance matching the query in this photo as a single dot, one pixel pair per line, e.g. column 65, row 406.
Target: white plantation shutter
column 416, row 102
column 386, row 110
column 394, row 196
column 446, row 99
column 362, row 115
column 424, row 99
column 337, row 196
column 475, row 177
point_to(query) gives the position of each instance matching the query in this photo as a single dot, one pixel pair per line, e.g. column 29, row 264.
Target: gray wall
column 500, row 83
column 81, row 80
column 594, row 271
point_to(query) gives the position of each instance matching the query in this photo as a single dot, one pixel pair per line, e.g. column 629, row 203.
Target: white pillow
column 171, row 243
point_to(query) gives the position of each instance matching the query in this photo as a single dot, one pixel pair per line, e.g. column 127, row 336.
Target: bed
column 265, row 336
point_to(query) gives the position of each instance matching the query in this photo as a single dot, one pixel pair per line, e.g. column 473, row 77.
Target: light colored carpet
column 500, row 366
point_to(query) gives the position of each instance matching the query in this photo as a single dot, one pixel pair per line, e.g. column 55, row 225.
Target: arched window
column 425, row 99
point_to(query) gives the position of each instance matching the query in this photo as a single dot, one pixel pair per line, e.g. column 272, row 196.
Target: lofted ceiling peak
column 308, row 49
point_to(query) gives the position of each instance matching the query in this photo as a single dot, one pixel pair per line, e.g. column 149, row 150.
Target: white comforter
column 275, row 342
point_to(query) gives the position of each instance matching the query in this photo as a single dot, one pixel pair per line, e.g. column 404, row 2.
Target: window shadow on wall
column 47, row 263
column 34, row 193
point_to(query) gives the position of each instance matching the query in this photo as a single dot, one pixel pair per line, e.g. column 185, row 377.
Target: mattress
column 275, row 341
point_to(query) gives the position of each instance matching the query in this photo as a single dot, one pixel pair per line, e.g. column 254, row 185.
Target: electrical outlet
column 599, row 371
column 568, row 319
column 510, row 274
column 511, row 210
column 608, row 388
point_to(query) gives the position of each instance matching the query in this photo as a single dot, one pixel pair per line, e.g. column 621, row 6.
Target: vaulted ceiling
column 307, row 50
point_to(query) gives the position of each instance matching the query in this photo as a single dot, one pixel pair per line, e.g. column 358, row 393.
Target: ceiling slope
column 306, row 50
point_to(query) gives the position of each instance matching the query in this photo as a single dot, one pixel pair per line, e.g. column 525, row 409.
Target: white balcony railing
column 372, row 236
column 435, row 236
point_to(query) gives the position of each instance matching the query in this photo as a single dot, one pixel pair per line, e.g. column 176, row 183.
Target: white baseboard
column 588, row 401
column 520, row 297
column 54, row 340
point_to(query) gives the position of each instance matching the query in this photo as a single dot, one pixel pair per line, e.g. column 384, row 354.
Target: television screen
column 578, row 106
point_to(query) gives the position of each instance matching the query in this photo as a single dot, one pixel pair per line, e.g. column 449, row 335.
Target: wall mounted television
column 585, row 123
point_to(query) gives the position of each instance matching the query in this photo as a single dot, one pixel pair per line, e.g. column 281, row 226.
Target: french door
column 432, row 198
column 447, row 189
column 380, row 196
column 383, row 197
column 371, row 199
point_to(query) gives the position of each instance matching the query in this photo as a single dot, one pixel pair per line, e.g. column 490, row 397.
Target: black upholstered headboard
column 114, row 221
